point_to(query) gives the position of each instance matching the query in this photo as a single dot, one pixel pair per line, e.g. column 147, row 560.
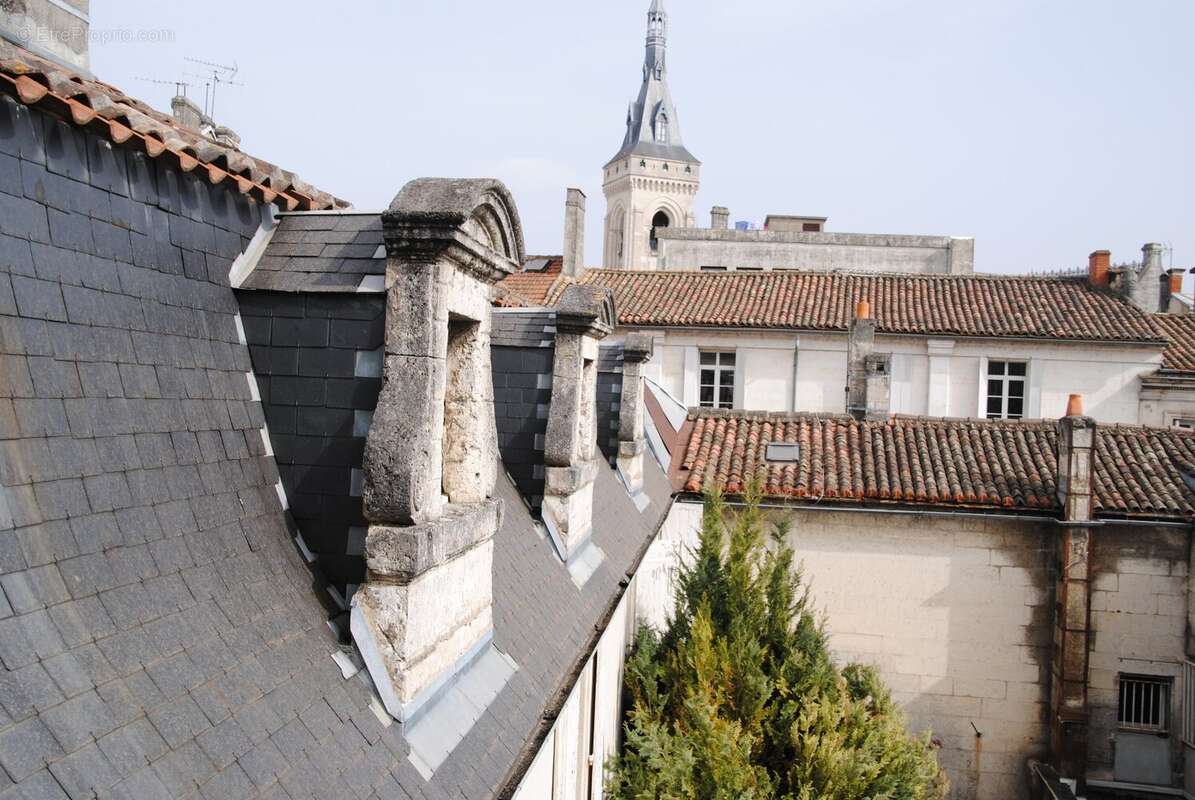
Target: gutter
column 740, row 329
column 814, row 504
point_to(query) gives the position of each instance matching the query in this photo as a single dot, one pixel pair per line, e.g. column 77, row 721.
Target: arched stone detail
column 434, row 437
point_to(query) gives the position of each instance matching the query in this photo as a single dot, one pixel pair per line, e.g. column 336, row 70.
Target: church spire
column 657, row 41
column 652, row 127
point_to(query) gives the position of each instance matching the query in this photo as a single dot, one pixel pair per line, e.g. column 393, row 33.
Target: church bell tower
column 651, row 183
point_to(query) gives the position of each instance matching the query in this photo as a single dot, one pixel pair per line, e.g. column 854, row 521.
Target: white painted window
column 713, row 269
column 1006, row 389
column 1144, row 704
column 1183, row 423
column 717, row 379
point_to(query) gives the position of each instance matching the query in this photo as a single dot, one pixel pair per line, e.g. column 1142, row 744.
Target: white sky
column 1044, row 129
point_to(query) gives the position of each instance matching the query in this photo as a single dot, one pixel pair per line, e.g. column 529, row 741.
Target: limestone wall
column 956, row 612
column 696, row 248
column 1139, row 614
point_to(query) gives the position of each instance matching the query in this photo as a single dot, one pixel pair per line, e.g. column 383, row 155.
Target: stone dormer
column 636, row 351
column 431, row 454
column 584, row 316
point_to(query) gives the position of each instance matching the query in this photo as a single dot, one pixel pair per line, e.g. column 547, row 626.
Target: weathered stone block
column 630, row 464
column 403, row 454
column 470, row 432
column 569, row 516
column 566, row 480
column 416, row 310
column 402, row 554
column 413, row 635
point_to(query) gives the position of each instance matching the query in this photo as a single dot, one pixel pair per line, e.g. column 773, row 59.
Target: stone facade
column 631, row 441
column 584, row 317
column 432, row 449
column 820, row 251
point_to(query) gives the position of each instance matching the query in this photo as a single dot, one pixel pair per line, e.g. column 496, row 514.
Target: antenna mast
column 220, row 74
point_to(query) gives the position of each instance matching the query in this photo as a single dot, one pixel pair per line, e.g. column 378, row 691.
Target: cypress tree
column 738, row 698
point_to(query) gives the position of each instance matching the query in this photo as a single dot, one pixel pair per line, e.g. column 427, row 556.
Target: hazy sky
column 1044, row 128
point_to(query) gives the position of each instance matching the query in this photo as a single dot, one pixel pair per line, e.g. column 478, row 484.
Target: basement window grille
column 1144, row 704
column 1188, row 705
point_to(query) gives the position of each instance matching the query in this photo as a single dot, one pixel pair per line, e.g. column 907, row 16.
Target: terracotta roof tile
column 1179, row 330
column 1035, row 307
column 106, row 110
column 529, row 288
column 936, row 462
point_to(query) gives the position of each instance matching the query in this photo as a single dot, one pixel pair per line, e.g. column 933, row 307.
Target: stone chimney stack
column 574, row 233
column 54, row 29
column 1099, row 266
column 1069, row 709
column 431, row 453
column 636, row 351
column 584, row 316
column 720, row 218
column 1152, row 291
column 868, row 374
column 188, row 114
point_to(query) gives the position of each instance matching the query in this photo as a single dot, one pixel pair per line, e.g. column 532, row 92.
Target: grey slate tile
column 37, row 298
column 27, row 747
column 23, row 218
column 85, row 773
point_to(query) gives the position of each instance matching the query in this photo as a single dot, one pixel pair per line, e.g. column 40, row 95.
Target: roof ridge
column 758, row 274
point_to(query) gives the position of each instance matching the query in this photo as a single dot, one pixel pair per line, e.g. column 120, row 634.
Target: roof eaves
column 105, row 111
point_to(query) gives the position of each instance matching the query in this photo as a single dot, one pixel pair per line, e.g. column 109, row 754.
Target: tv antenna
column 180, row 87
column 219, row 74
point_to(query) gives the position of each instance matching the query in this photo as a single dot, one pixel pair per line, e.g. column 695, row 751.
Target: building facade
column 1023, row 614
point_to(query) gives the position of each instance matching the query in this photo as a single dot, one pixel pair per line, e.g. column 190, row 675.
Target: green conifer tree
column 739, row 698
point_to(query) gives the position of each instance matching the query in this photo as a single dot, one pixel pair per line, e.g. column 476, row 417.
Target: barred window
column 1144, row 704
column 1188, row 706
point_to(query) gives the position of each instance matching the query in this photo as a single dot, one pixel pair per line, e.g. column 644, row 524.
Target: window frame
column 1006, row 378
column 720, row 369
column 1187, row 712
column 1164, row 711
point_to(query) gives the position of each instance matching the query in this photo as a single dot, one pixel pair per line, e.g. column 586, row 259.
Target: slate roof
column 1139, row 472
column 161, row 634
column 130, row 123
column 321, row 252
column 1179, row 330
column 955, row 305
column 529, row 288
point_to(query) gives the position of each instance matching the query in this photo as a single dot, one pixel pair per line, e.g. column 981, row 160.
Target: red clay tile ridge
column 987, row 306
column 128, row 122
column 926, row 462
